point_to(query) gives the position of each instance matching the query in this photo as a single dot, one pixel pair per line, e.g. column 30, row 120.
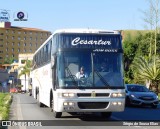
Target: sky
column 60, row 14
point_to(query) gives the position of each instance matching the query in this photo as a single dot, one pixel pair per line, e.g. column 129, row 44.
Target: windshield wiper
column 102, row 78
column 71, row 76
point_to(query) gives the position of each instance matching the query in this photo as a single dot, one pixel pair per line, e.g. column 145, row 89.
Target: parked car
column 13, row 90
column 139, row 95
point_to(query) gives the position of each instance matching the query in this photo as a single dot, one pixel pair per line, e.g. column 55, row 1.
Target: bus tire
column 57, row 114
column 106, row 114
column 128, row 102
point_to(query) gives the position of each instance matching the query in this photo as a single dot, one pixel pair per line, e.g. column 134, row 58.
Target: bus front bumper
column 90, row 105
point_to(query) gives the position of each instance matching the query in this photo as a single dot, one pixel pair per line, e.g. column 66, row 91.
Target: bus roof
column 97, row 31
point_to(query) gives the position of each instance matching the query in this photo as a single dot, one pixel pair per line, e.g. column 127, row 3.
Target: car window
column 134, row 88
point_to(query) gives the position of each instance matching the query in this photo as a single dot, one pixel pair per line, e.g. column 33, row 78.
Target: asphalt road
column 24, row 107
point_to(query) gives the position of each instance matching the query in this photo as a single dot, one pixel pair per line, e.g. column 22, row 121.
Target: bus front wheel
column 57, row 114
column 106, row 114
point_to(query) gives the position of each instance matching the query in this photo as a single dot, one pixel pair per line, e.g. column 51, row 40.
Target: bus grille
column 92, row 105
column 89, row 94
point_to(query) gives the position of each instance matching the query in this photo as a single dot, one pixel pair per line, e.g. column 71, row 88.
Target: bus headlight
column 68, row 94
column 68, row 103
column 115, row 95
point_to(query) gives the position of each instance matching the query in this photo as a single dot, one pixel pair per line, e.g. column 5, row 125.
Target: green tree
column 25, row 70
column 147, row 69
column 9, row 60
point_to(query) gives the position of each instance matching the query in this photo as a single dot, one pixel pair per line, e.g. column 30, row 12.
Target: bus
column 60, row 57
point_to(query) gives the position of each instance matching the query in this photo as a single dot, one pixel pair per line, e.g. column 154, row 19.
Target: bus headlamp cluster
column 117, row 103
column 68, row 104
column 115, row 95
column 68, row 94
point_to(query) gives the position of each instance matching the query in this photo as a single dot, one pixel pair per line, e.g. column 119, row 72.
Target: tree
column 147, row 69
column 8, row 60
column 151, row 17
column 25, row 70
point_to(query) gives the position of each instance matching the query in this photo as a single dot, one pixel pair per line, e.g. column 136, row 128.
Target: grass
column 5, row 101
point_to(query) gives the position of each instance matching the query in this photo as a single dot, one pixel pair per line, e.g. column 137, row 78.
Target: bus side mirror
column 53, row 61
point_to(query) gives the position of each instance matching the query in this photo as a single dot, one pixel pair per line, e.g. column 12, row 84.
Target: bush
column 5, row 101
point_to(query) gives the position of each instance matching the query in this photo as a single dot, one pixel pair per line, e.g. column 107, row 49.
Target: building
column 15, row 40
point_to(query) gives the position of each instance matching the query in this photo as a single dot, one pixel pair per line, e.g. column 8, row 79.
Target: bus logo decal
column 78, row 40
column 93, row 94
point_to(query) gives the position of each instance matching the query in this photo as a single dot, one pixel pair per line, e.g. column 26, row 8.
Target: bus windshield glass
column 90, row 70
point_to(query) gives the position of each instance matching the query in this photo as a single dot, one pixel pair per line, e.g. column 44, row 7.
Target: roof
column 6, row 65
column 26, row 28
column 87, row 31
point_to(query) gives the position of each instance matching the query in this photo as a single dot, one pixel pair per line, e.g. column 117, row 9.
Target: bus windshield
column 90, row 70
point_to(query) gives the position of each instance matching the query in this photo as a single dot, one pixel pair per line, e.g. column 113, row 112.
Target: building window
column 18, row 49
column 12, row 49
column 7, row 37
column 24, row 50
column 19, row 32
column 1, row 45
column 1, row 57
column 30, row 38
column 6, row 31
column 7, row 43
column 19, row 44
column 24, row 38
column 1, row 39
column 13, row 44
column 12, row 37
column 30, row 33
column 30, row 44
column 13, row 31
column 6, row 49
column 1, row 51
column 12, row 55
column 25, row 32
column 19, row 38
column 24, row 44
column 6, row 55
column 30, row 50
column 23, row 61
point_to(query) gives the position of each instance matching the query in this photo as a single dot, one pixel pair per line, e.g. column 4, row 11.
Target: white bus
column 60, row 57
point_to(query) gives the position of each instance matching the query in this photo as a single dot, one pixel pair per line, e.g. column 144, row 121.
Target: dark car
column 140, row 95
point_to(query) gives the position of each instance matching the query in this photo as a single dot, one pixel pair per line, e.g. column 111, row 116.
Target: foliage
column 26, row 69
column 147, row 69
column 5, row 101
column 134, row 47
column 8, row 60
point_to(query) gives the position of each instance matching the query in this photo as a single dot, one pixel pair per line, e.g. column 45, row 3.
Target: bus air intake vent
column 96, row 95
column 92, row 105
